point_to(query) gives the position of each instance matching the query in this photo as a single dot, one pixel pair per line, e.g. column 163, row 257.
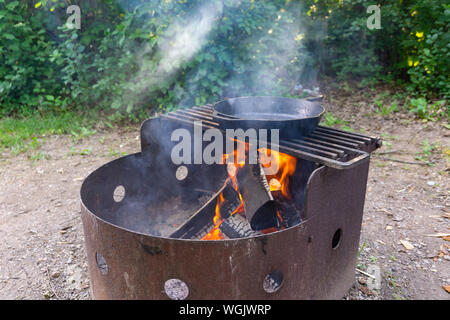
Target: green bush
column 27, row 77
column 411, row 46
column 429, row 111
column 428, row 48
column 249, row 48
column 132, row 57
column 346, row 47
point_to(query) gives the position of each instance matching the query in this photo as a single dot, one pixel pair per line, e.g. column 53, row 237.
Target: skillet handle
column 222, row 116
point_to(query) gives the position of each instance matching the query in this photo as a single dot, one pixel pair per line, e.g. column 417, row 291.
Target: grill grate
column 327, row 146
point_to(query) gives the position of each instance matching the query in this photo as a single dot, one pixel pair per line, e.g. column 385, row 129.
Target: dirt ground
column 42, row 252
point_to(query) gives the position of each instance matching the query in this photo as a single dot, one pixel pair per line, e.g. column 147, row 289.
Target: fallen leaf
column 362, row 280
column 446, row 288
column 407, row 244
column 446, row 238
column 390, row 214
column 366, row 291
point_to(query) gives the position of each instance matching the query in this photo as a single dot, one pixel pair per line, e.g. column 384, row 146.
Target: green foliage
column 386, row 110
column 27, row 78
column 347, row 48
column 132, row 58
column 348, row 129
column 427, row 151
column 329, row 120
column 427, row 47
column 80, row 133
column 429, row 111
column 139, row 64
column 39, row 155
column 411, row 47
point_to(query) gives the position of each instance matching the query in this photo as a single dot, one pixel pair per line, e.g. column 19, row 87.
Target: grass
column 387, row 103
column 385, row 110
column 114, row 153
column 429, row 111
column 37, row 156
column 21, row 134
column 330, row 120
column 348, row 129
column 362, row 248
column 84, row 152
column 428, row 150
column 387, row 140
column 81, row 134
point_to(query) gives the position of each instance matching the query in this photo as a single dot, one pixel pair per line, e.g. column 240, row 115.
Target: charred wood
column 237, row 226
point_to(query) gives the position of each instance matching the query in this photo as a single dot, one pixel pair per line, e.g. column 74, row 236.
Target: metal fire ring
column 312, row 260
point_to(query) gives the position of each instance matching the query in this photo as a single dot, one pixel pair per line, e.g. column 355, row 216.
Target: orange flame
column 232, row 169
column 215, row 233
column 278, row 181
column 286, row 168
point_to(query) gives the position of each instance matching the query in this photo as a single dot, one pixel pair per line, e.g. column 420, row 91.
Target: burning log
column 286, row 210
column 258, row 201
column 245, row 191
column 200, row 223
column 237, row 226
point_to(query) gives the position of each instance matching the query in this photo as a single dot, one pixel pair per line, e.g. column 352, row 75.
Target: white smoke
column 183, row 39
column 285, row 50
column 187, row 35
column 177, row 46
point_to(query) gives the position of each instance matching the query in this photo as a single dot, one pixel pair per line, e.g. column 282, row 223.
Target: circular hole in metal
column 336, row 239
column 119, row 193
column 273, row 281
column 101, row 263
column 176, row 289
column 181, row 173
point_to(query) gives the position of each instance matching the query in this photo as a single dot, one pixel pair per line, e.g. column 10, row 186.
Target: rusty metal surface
column 312, row 260
column 124, row 264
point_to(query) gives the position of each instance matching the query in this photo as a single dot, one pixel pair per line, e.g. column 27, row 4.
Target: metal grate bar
column 310, row 149
column 333, row 145
column 343, row 134
column 339, row 151
column 327, row 146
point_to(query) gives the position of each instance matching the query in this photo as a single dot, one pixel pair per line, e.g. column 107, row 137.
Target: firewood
column 258, row 201
column 289, row 214
column 237, row 226
column 203, row 219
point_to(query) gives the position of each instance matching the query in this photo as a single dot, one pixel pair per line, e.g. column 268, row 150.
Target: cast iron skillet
column 293, row 117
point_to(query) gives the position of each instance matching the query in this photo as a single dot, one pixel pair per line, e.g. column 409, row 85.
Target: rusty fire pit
column 131, row 206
